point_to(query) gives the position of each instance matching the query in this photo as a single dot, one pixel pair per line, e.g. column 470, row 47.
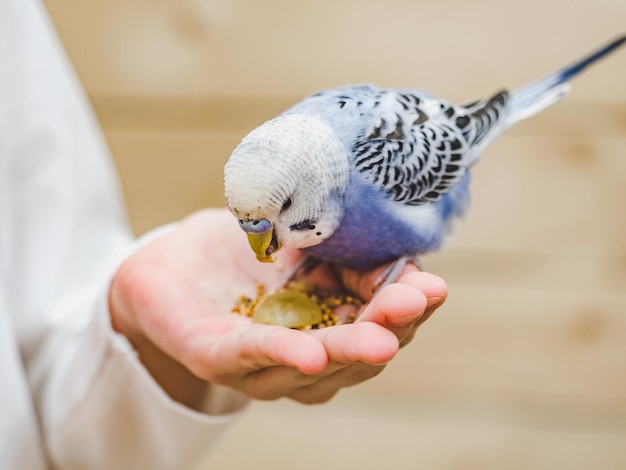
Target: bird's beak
column 262, row 238
column 260, row 242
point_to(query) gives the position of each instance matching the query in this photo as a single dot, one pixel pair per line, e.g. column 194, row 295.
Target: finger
column 275, row 382
column 266, row 345
column 255, row 347
column 430, row 309
column 401, row 307
column 408, row 337
column 397, row 308
column 362, row 283
column 324, row 389
column 433, row 287
column 349, row 347
column 364, row 342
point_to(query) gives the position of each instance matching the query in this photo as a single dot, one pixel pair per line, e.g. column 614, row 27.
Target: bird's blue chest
column 371, row 231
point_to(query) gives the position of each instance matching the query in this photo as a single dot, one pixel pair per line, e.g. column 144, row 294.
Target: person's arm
column 63, row 232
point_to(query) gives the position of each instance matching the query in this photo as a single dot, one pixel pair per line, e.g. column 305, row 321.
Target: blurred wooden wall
column 525, row 367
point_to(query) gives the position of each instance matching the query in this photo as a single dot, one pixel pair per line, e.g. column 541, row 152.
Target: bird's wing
column 416, row 148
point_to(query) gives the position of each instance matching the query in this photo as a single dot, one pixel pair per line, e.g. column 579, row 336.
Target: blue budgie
column 362, row 176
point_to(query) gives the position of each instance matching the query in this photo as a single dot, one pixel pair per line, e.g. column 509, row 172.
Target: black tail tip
column 598, row 54
column 617, row 42
column 610, row 47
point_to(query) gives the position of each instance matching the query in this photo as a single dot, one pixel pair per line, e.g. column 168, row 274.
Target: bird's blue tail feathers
column 538, row 95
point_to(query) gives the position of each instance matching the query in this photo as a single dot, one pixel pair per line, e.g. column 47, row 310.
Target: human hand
column 173, row 300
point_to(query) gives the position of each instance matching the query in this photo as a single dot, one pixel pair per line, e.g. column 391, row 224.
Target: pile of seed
column 297, row 305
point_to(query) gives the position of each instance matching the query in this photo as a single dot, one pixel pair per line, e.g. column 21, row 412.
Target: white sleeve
column 103, row 410
column 62, row 233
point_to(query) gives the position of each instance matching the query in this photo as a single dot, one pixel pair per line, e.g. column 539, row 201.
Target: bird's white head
column 285, row 183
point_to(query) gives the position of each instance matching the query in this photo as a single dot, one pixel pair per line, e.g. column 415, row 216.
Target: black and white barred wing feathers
column 417, row 148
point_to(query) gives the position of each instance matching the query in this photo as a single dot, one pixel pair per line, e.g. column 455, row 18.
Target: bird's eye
column 286, row 204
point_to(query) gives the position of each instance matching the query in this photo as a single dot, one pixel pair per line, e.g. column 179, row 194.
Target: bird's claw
column 393, row 271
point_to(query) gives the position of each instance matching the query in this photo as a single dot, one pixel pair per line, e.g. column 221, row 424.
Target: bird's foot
column 303, row 268
column 393, row 271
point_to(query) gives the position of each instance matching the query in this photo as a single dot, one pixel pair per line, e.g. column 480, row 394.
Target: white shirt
column 73, row 393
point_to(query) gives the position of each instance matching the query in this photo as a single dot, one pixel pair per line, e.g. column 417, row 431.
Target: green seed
column 289, row 308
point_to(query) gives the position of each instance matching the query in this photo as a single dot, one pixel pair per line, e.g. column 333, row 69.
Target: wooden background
column 525, row 367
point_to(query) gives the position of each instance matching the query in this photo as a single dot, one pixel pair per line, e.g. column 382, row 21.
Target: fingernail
column 432, row 301
column 404, row 320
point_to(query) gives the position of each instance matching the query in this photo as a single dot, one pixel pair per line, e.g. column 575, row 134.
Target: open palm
column 173, row 300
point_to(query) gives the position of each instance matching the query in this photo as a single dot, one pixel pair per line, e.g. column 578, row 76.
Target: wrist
column 172, row 376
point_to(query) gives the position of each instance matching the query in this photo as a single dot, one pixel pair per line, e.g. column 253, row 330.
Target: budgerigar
column 362, row 176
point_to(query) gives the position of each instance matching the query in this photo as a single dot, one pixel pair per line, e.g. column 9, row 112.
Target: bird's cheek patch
column 306, row 224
